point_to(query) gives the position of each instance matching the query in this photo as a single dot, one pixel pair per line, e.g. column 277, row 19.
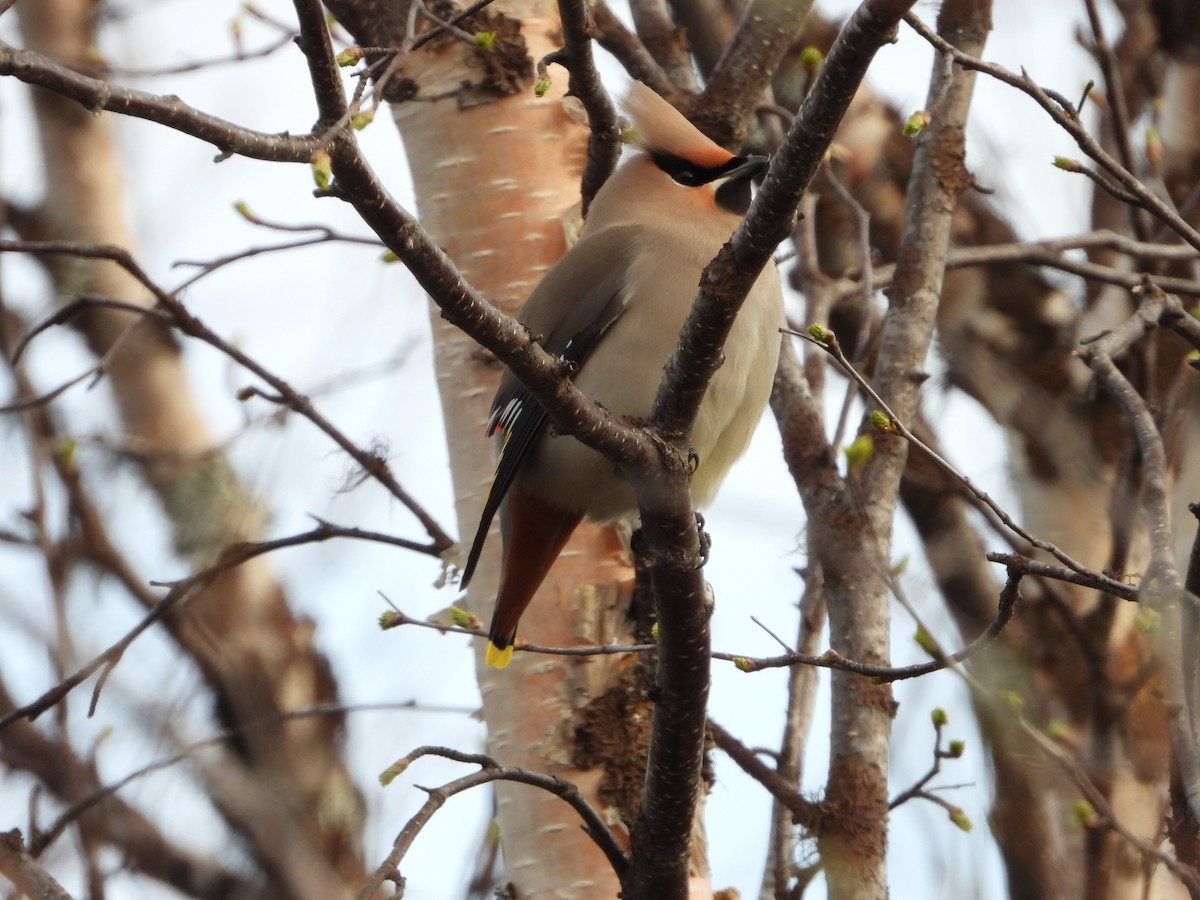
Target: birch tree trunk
column 497, row 174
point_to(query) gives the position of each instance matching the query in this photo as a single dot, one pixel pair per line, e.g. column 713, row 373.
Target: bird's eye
column 682, row 171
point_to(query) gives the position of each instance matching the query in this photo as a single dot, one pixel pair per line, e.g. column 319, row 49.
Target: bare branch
column 1114, row 93
column 630, row 52
column 1161, row 590
column 1052, row 254
column 397, row 618
column 920, row 791
column 96, row 95
column 733, row 88
column 828, row 340
column 25, row 873
column 105, row 661
column 101, row 793
column 729, row 277
column 1106, row 818
column 604, row 138
column 490, row 771
column 801, row 703
column 830, row 659
column 325, row 235
column 179, row 591
column 200, row 65
column 24, row 747
column 178, row 316
column 1065, row 115
column 804, row 812
column 667, row 43
column 1095, row 580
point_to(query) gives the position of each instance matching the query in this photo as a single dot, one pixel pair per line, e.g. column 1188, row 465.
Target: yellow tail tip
column 497, row 658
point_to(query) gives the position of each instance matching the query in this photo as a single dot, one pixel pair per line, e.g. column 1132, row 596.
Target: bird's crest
column 661, row 128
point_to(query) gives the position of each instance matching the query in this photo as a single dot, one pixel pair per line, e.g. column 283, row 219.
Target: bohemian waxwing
column 614, row 305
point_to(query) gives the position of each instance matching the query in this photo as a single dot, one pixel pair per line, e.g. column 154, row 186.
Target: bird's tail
column 536, row 533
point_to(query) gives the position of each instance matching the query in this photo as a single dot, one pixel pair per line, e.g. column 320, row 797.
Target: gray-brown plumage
column 615, row 305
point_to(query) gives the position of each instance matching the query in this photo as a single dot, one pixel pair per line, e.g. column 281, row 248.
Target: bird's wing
column 569, row 312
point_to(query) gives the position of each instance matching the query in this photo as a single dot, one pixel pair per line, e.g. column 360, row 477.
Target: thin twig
column 95, row 94
column 830, row 659
column 629, row 51
column 179, row 317
column 1106, row 817
column 490, row 771
column 604, row 137
column 920, row 790
column 397, row 618
column 22, row 870
column 1051, row 253
column 107, row 659
column 829, row 342
column 805, row 813
column 50, row 834
column 107, row 71
column 1095, row 580
column 1161, row 589
column 1064, row 114
column 1114, row 92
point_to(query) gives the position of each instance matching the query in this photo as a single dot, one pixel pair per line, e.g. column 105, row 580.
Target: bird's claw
column 637, row 543
column 705, row 540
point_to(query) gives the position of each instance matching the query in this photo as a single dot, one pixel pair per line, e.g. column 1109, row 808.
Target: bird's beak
column 747, row 166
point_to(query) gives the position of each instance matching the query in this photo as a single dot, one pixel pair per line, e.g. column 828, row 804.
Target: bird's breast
column 625, row 368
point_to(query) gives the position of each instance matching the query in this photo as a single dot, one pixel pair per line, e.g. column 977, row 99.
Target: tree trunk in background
column 496, row 172
column 1008, row 338
column 257, row 657
column 497, row 188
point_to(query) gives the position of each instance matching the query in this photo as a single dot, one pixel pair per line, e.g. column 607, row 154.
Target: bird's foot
column 705, row 540
column 638, row 544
